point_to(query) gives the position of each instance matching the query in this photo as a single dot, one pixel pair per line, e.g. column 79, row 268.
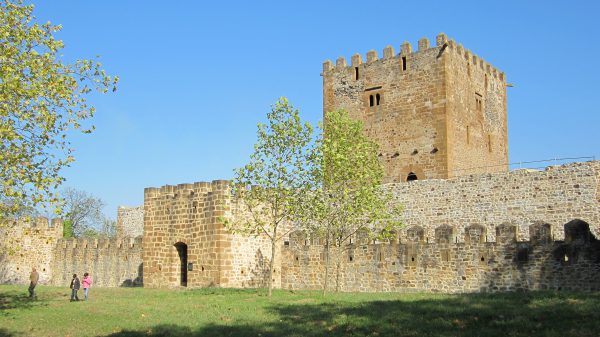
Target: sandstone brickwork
column 437, row 112
column 186, row 243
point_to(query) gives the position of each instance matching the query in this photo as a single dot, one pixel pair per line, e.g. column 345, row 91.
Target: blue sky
column 196, row 76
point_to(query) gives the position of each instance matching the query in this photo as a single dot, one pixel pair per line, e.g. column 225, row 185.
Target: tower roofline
column 442, row 43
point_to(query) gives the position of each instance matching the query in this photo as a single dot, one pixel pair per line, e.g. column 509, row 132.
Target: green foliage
column 133, row 312
column 82, row 210
column 42, row 99
column 269, row 185
column 91, row 233
column 68, row 229
column 345, row 197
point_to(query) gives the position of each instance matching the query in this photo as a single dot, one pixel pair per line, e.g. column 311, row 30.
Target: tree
column 276, row 171
column 109, row 227
column 82, row 212
column 346, row 197
column 42, row 100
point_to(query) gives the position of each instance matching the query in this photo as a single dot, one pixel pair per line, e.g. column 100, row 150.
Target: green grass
column 120, row 312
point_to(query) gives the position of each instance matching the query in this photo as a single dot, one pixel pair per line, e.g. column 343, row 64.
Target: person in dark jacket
column 75, row 284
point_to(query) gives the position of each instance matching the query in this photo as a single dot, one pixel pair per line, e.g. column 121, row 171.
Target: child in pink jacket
column 86, row 283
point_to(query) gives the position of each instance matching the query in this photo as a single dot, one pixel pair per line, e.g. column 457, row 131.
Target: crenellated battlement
column 437, row 111
column 442, row 263
column 186, row 190
column 540, row 232
column 119, row 244
column 406, row 51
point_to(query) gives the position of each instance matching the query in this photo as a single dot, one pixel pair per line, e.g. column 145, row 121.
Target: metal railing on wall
column 532, row 164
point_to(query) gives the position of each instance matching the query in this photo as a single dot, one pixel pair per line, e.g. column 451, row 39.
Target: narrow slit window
column 490, row 143
column 377, row 99
column 371, row 101
column 356, row 75
column 403, row 62
column 468, row 135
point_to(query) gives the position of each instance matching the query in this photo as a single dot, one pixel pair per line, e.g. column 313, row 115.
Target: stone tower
column 435, row 113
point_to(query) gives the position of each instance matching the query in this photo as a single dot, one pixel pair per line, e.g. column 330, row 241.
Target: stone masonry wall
column 419, row 107
column 476, row 112
column 556, row 195
column 27, row 244
column 442, row 265
column 130, row 221
column 110, row 262
column 192, row 215
column 410, row 114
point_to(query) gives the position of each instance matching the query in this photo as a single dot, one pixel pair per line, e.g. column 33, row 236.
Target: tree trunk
column 337, row 278
column 325, row 282
column 337, row 272
column 272, row 262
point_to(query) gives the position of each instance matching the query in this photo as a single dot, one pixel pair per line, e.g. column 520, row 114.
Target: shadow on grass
column 5, row 333
column 521, row 314
column 15, row 300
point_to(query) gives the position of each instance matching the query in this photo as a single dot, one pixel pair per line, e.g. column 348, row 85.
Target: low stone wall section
column 556, row 195
column 111, row 262
column 25, row 245
column 443, row 265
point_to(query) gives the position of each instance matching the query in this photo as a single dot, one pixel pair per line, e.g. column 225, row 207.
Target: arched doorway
column 182, row 252
column 411, row 176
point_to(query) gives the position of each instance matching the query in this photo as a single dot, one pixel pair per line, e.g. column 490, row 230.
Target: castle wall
column 27, row 244
column 556, row 195
column 410, row 120
column 193, row 214
column 130, row 221
column 110, row 262
column 476, row 112
column 444, row 266
column 437, row 112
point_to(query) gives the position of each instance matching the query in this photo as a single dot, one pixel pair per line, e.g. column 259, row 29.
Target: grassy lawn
column 120, row 312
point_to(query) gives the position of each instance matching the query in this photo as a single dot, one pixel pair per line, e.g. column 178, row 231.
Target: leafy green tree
column 42, row 100
column 345, row 198
column 68, row 229
column 82, row 211
column 277, row 173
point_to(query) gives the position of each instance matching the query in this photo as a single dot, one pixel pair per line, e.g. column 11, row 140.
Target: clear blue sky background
column 197, row 76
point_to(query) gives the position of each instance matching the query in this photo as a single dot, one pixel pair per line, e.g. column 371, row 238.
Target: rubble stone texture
column 131, row 221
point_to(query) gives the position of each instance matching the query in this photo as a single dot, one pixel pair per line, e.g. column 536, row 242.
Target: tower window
column 403, row 62
column 478, row 102
column 490, row 143
column 356, row 73
column 377, row 99
column 411, row 176
column 468, row 135
column 371, row 101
